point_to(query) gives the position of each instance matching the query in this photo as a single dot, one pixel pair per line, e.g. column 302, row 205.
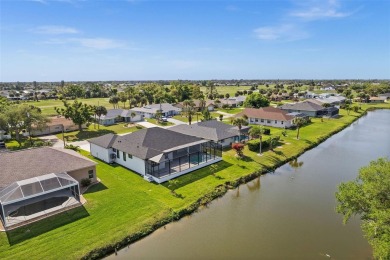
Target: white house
column 268, row 116
column 150, row 111
column 156, row 153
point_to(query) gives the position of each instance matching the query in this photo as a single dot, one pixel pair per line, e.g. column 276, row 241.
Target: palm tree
column 114, row 101
column 239, row 122
column 132, row 115
column 257, row 131
column 99, row 111
column 299, row 122
column 189, row 109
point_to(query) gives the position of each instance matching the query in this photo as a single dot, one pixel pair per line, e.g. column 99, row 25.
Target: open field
column 124, row 204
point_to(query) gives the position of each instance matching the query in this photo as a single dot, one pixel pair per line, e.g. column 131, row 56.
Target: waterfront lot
column 124, row 203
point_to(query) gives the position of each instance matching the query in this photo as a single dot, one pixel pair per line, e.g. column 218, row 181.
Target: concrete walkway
column 225, row 115
column 57, row 143
column 176, row 122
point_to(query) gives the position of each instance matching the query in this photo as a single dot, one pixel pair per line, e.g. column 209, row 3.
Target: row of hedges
column 254, row 145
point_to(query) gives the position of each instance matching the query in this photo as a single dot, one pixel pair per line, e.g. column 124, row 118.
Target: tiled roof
column 270, row 113
column 29, row 163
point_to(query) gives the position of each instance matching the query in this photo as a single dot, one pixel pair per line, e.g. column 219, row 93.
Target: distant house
column 384, row 95
column 268, row 116
column 114, row 116
column 156, row 153
column 150, row 111
column 39, row 182
column 311, row 95
column 56, row 125
column 232, row 101
column 213, row 130
column 4, row 135
column 310, row 108
column 377, row 99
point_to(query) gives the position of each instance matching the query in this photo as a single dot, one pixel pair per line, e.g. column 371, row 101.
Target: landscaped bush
column 85, row 182
column 267, row 131
column 254, row 145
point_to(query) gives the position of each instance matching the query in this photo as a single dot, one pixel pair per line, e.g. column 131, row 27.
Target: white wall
column 100, row 153
column 273, row 123
column 227, row 142
column 135, row 164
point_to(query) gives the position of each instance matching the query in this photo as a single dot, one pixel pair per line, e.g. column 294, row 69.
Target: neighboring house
column 4, row 135
column 377, row 100
column 307, row 107
column 311, row 95
column 385, row 95
column 268, row 116
column 150, row 111
column 156, row 153
column 112, row 117
column 213, row 130
column 38, row 182
column 56, row 125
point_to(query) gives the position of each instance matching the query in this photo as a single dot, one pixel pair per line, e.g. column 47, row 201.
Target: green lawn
column 125, row 204
column 93, row 131
column 195, row 118
column 231, row 90
column 232, row 110
column 47, row 106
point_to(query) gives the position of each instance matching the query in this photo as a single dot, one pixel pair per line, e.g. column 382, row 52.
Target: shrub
column 267, row 131
column 85, row 182
column 238, row 147
column 254, row 145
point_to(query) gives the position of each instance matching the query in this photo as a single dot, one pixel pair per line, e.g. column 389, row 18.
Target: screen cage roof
column 36, row 186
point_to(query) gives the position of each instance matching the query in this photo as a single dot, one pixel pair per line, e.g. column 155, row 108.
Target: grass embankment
column 124, row 207
column 93, row 131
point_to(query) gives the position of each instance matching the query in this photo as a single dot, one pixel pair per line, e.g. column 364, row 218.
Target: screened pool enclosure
column 35, row 197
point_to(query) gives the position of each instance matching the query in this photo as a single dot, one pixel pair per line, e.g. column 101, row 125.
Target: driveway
column 84, row 145
column 147, row 124
column 225, row 115
column 176, row 122
column 57, row 143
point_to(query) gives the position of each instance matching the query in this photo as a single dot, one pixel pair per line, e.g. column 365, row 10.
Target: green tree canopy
column 77, row 111
column 369, row 197
column 256, row 100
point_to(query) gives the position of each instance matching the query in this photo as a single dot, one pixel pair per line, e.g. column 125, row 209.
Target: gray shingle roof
column 112, row 113
column 210, row 130
column 29, row 163
column 104, row 141
column 303, row 106
column 146, row 143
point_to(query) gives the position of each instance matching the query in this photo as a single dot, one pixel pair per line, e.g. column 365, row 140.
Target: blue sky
column 53, row 40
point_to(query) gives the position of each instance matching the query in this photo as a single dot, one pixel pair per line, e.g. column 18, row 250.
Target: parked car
column 2, row 144
column 164, row 119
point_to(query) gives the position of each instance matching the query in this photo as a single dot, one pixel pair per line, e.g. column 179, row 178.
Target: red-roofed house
column 268, row 116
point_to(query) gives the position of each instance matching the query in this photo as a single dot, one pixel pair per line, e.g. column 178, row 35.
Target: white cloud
column 232, row 8
column 99, row 43
column 53, row 29
column 320, row 10
column 284, row 32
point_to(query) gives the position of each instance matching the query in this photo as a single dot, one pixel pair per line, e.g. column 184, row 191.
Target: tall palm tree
column 299, row 122
column 257, row 131
column 239, row 122
column 99, row 111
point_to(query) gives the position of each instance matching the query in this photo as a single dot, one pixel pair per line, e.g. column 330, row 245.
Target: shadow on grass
column 96, row 188
column 86, row 134
column 197, row 175
column 24, row 233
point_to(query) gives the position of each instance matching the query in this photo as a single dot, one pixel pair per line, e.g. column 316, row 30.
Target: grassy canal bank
column 124, row 207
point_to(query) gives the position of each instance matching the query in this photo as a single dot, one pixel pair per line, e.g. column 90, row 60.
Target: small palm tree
column 172, row 185
column 257, row 131
column 239, row 122
column 299, row 122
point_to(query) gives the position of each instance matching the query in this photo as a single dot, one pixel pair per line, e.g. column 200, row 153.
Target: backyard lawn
column 124, row 203
column 93, row 131
column 196, row 117
column 234, row 111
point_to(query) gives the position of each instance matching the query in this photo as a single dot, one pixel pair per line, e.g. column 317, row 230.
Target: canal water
column 289, row 214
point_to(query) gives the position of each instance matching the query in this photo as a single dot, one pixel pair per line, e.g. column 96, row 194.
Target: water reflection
column 295, row 164
column 254, row 185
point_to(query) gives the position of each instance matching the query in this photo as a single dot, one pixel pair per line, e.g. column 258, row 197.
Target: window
column 117, row 154
column 90, row 174
column 130, row 156
column 269, row 121
column 114, row 150
column 281, row 122
column 256, row 120
column 124, row 156
column 262, row 120
column 276, row 121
